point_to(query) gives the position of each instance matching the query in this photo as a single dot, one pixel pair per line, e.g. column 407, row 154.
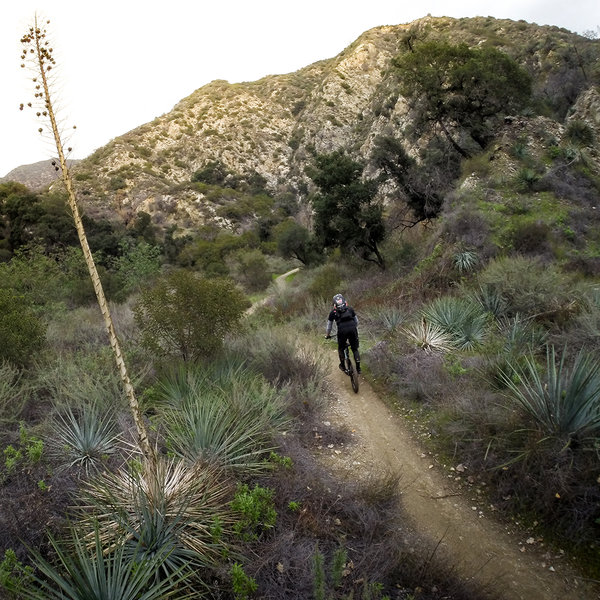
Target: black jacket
column 345, row 320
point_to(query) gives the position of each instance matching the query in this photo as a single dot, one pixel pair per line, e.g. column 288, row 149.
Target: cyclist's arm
column 328, row 327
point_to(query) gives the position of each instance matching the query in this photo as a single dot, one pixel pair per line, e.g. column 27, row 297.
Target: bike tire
column 354, row 380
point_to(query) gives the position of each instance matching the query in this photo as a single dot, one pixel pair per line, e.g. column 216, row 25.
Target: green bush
column 325, row 283
column 531, row 238
column 255, row 510
column 33, row 274
column 136, row 265
column 243, row 585
column 250, row 268
column 24, row 455
column 529, row 287
column 187, row 316
column 22, row 333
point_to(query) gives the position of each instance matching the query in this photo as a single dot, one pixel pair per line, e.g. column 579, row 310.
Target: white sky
column 123, row 63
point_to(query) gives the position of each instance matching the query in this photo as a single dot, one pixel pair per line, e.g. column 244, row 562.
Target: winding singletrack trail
column 479, row 547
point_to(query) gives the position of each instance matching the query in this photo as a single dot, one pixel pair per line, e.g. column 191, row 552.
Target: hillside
column 269, row 130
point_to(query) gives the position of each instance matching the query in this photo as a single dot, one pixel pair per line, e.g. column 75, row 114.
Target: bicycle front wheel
column 354, row 380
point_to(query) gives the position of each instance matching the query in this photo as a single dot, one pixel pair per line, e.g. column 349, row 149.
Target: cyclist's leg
column 341, row 340
column 353, row 339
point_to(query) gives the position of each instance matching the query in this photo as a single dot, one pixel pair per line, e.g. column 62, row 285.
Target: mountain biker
column 347, row 329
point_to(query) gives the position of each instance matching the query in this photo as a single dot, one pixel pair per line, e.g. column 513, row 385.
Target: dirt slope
column 510, row 563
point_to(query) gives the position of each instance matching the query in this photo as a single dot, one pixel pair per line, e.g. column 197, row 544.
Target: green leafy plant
column 283, row 461
column 28, row 452
column 243, row 585
column 338, row 566
column 255, row 510
column 13, row 574
column 564, row 402
column 319, row 582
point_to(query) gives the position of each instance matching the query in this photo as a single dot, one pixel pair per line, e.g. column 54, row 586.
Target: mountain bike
column 349, row 367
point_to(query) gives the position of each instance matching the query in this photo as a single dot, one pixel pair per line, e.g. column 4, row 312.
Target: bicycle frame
column 349, row 367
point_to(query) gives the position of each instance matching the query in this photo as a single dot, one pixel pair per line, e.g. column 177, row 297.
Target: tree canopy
column 346, row 213
column 187, row 316
column 454, row 84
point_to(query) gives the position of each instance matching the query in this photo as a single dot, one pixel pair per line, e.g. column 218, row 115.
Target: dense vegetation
column 477, row 289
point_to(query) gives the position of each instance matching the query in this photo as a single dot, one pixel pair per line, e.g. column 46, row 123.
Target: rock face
column 273, row 127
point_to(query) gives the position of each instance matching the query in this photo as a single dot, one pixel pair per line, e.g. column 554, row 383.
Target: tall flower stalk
column 38, row 54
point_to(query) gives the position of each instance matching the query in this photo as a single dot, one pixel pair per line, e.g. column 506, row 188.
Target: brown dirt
column 512, row 563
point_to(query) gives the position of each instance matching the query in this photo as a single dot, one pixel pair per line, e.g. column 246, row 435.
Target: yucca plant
column 385, row 320
column 520, row 335
column 85, row 439
column 490, row 299
column 230, row 419
column 82, row 571
column 37, row 54
column 465, row 261
column 461, row 320
column 169, row 507
column 428, row 336
column 564, row 402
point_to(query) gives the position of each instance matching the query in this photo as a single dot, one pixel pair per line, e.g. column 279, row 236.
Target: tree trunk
column 452, row 141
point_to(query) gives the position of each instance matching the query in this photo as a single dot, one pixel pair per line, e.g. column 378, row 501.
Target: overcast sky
column 123, row 63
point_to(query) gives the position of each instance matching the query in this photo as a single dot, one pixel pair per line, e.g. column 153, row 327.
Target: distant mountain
column 36, row 176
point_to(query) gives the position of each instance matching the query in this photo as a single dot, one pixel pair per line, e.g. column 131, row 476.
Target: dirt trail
column 474, row 542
